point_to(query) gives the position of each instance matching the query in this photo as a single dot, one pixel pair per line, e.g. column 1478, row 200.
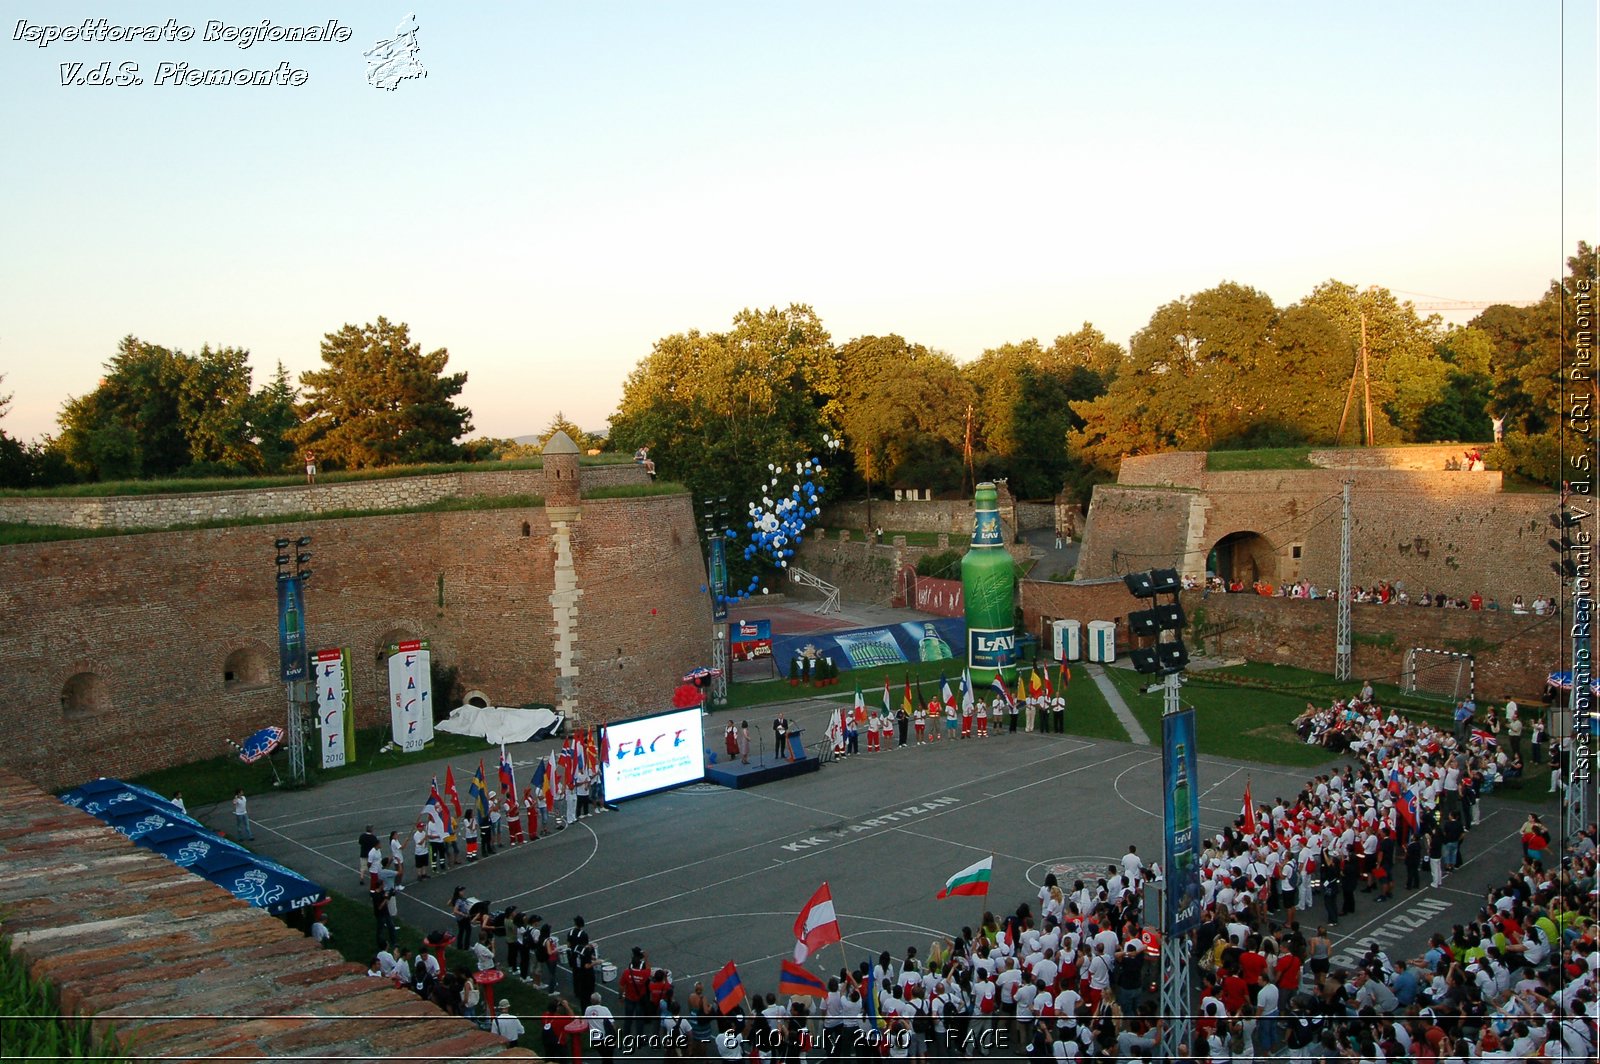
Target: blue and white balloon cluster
column 778, row 520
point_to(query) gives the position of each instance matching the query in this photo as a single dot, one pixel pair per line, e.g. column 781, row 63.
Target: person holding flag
column 816, row 926
column 508, row 787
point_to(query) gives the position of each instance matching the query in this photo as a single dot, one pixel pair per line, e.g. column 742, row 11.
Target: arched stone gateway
column 1246, row 557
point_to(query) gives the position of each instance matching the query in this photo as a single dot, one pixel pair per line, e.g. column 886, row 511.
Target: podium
column 781, row 765
column 797, row 748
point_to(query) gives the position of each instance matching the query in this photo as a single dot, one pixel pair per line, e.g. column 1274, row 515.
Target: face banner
column 334, row 711
column 410, row 694
column 1180, row 786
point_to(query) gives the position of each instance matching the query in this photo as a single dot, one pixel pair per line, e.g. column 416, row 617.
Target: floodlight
column 1138, row 585
column 1164, row 581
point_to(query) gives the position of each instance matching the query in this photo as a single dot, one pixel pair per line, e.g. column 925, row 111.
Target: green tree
column 903, row 410
column 214, row 409
column 380, row 401
column 559, row 423
column 15, row 468
column 129, row 425
column 1532, row 347
column 272, row 418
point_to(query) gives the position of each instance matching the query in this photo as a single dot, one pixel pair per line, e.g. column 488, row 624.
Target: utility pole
column 1358, row 371
column 966, row 454
column 869, row 495
column 1342, row 637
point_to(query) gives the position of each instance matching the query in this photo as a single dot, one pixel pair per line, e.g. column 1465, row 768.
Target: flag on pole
column 435, row 807
column 888, row 709
column 860, row 708
column 816, row 926
column 946, row 695
column 1001, row 691
column 478, row 792
column 906, row 705
column 922, row 699
column 450, row 791
column 549, row 765
column 1249, row 810
column 1035, row 685
column 508, row 778
column 1407, row 808
column 966, row 691
column 1049, row 688
column 869, row 1004
column 1021, row 692
column 797, row 982
column 728, row 988
column 970, row 882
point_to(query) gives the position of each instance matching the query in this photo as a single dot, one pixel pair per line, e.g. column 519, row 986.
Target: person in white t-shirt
column 1132, row 865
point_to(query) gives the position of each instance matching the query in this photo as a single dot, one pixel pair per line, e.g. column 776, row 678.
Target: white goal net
column 1442, row 674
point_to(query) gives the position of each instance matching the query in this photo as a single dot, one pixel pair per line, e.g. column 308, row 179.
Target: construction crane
column 1444, row 303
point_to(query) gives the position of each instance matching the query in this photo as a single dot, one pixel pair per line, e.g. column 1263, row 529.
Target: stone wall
column 391, row 493
column 1512, row 653
column 1423, row 456
column 935, row 515
column 117, row 647
column 1454, row 532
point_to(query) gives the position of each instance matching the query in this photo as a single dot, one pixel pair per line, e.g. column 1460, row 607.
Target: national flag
column 946, row 695
column 1002, row 694
column 816, row 926
column 1066, row 676
column 478, row 793
column 508, row 778
column 728, row 988
column 970, row 882
column 605, row 746
column 450, row 791
column 1049, row 688
column 1407, row 808
column 1249, row 810
column 922, row 700
column 1395, row 785
column 1021, row 692
column 860, row 706
column 1485, row 737
column 435, row 807
column 549, row 790
column 888, row 710
column 966, row 691
column 1035, row 685
column 797, row 982
column 591, row 750
column 906, row 705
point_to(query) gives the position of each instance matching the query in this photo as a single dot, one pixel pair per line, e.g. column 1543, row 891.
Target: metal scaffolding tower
column 1176, row 1001
column 1342, row 636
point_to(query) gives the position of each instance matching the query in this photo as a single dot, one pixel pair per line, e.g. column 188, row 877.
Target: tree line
column 1225, row 368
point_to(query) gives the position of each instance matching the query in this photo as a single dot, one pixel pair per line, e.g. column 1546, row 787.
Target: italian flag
column 970, row 882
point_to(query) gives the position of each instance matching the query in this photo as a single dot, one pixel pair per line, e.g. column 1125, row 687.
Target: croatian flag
column 816, row 926
column 1001, row 694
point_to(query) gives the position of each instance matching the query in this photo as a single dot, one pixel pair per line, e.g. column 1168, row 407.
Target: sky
column 572, row 181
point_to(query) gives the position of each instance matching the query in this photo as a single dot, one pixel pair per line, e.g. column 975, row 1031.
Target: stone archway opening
column 1247, row 558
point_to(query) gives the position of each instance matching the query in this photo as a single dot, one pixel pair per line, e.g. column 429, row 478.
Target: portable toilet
column 1067, row 639
column 1103, row 641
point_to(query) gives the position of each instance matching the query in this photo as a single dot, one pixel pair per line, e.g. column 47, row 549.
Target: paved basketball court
column 703, row 875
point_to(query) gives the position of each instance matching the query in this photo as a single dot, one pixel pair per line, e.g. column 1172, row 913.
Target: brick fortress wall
column 1451, row 532
column 156, row 619
column 1512, row 652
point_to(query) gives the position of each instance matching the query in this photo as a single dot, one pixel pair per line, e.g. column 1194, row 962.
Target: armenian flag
column 728, row 988
column 797, row 982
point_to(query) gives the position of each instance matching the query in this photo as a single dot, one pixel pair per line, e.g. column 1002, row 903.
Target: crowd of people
column 1384, row 593
column 1071, row 973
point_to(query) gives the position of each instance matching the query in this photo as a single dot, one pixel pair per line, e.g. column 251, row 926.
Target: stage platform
column 738, row 776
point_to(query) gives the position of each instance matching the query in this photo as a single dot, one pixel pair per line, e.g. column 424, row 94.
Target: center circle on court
column 1067, row 869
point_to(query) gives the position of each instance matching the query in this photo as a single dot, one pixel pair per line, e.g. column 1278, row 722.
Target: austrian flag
column 816, row 926
column 969, row 882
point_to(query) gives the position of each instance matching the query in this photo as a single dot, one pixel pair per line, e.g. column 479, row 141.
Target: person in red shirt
column 1287, row 973
column 1234, row 991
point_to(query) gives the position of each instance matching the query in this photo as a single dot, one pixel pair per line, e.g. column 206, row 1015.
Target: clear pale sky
column 572, row 181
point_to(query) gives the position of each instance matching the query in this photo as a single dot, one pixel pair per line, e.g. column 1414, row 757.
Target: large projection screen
column 654, row 753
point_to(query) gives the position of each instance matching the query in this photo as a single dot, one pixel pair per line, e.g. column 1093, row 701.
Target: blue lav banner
column 1180, row 764
column 291, row 630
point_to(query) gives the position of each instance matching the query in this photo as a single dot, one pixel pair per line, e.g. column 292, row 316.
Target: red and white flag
column 816, row 926
column 1249, row 810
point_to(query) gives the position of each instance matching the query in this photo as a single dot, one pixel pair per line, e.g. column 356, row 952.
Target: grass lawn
column 1320, row 687
column 32, row 1026
column 213, row 781
column 1088, row 712
column 1232, row 722
column 1260, row 458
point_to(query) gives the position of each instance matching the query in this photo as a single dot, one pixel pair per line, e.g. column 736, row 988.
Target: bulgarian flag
column 971, row 882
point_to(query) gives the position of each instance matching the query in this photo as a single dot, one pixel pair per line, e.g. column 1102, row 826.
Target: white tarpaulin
column 498, row 725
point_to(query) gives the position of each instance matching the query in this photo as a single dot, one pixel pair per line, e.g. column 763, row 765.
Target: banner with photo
column 410, row 694
column 865, row 648
column 331, row 670
column 291, row 629
column 1181, row 788
column 749, row 640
